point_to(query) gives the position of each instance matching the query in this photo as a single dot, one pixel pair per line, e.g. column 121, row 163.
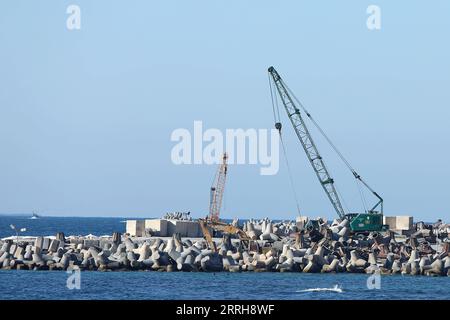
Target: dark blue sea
column 49, row 226
column 26, row 285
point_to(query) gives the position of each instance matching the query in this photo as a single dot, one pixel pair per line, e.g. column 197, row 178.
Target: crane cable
column 361, row 194
column 341, row 156
column 276, row 112
column 342, row 198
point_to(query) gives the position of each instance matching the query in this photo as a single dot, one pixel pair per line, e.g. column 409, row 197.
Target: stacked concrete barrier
column 280, row 248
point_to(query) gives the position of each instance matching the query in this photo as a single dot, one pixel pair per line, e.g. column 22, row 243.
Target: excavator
column 371, row 219
column 224, row 228
column 212, row 221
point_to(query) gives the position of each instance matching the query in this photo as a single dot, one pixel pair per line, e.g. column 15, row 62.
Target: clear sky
column 86, row 115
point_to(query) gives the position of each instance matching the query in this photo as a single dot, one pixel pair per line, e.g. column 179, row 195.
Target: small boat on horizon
column 34, row 216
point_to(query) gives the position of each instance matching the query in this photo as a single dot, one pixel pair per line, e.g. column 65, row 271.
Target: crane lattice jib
column 217, row 190
column 308, row 144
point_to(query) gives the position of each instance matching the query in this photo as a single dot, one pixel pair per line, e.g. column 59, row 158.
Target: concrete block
column 105, row 243
column 29, row 252
column 399, row 223
column 159, row 227
column 76, row 241
column 90, row 243
column 39, row 243
column 300, row 221
column 404, row 222
column 5, row 246
column 135, row 228
column 188, row 228
column 168, row 227
column 60, row 236
column 19, row 252
column 45, row 244
column 171, row 225
column 54, row 245
column 117, row 237
column 278, row 245
column 390, row 221
column 13, row 248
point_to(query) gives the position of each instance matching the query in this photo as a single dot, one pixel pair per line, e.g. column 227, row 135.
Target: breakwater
column 275, row 247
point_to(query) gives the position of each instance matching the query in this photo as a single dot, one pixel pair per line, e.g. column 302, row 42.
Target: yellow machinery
column 221, row 227
column 212, row 221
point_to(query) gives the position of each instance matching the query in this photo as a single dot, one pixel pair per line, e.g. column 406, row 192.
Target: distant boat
column 34, row 216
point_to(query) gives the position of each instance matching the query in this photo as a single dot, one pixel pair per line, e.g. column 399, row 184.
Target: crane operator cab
column 366, row 222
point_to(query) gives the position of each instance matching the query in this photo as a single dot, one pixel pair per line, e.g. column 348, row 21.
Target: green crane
column 371, row 219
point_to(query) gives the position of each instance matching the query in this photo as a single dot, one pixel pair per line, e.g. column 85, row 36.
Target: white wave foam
column 336, row 289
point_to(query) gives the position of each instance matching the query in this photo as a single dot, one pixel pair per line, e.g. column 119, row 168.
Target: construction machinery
column 212, row 221
column 217, row 190
column 206, row 234
column 371, row 219
column 224, row 228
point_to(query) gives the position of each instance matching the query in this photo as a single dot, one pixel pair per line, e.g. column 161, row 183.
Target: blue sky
column 86, row 115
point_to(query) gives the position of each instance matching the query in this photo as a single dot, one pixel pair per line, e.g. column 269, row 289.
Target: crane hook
column 278, row 126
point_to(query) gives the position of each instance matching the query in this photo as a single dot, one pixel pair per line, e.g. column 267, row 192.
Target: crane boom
column 307, row 142
column 217, row 190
